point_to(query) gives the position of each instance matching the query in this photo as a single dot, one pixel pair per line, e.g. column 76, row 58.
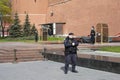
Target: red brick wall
column 116, row 39
column 80, row 15
column 36, row 10
column 52, row 2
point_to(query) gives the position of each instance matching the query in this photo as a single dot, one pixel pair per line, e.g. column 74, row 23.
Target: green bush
column 20, row 38
column 29, row 39
column 111, row 49
column 51, row 38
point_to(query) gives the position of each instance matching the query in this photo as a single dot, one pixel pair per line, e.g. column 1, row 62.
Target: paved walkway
column 49, row 70
column 12, row 45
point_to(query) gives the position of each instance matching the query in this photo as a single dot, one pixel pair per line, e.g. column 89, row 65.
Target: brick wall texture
column 78, row 15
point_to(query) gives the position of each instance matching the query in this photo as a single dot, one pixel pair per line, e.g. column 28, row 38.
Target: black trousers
column 71, row 58
column 92, row 39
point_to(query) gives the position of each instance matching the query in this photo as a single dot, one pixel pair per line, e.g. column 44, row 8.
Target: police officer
column 92, row 34
column 70, row 52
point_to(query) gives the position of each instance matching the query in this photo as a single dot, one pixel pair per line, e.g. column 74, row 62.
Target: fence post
column 15, row 58
column 44, row 53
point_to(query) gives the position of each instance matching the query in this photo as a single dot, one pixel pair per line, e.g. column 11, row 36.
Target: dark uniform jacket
column 92, row 33
column 69, row 48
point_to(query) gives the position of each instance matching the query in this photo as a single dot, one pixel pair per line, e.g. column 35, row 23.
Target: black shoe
column 74, row 71
column 65, row 72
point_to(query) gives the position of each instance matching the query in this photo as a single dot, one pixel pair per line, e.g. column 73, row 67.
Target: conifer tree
column 33, row 30
column 16, row 29
column 26, row 27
